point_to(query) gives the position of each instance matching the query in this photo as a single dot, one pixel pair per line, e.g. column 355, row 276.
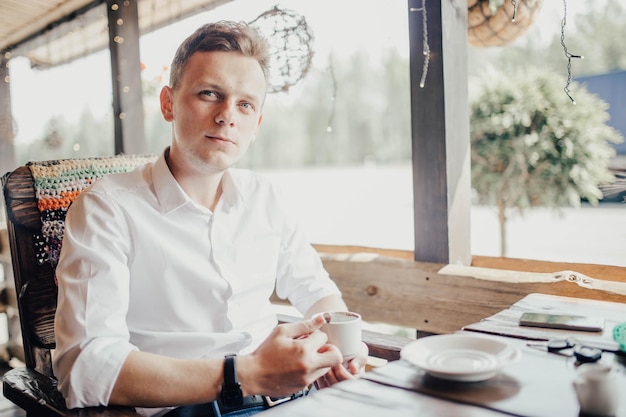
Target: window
column 63, row 111
column 338, row 144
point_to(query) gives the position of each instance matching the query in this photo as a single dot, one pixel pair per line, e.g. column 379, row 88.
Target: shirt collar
column 172, row 196
column 231, row 192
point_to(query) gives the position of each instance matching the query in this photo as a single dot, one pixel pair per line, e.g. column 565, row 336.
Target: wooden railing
column 388, row 286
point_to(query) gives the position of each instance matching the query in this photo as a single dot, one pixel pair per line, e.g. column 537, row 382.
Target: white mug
column 344, row 331
column 597, row 389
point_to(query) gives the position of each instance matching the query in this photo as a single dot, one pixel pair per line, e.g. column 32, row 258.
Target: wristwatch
column 231, row 394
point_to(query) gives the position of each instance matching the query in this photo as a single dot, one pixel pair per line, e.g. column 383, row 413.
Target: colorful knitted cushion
column 58, row 182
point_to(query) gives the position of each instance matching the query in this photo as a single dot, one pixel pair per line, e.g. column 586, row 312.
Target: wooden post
column 440, row 132
column 126, row 76
column 7, row 149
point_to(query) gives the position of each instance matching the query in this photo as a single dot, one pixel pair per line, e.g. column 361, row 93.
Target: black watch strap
column 231, row 394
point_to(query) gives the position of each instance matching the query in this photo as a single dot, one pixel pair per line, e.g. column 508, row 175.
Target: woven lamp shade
column 486, row 29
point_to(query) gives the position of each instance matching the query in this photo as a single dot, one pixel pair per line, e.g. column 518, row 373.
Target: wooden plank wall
column 387, row 286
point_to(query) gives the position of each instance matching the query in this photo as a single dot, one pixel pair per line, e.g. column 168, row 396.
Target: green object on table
column 619, row 335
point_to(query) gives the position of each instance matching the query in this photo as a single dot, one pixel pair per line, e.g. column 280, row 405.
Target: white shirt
column 143, row 267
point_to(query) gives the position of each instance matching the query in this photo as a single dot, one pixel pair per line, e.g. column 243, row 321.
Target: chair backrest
column 36, row 197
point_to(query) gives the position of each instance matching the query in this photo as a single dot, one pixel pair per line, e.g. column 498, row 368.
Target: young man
column 166, row 270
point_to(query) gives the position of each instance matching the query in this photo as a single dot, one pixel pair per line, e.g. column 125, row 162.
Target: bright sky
column 340, row 26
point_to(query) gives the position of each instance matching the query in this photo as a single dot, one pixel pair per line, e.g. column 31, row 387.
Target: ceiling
column 19, row 19
column 53, row 32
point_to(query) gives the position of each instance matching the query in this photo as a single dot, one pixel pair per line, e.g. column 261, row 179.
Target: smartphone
column 562, row 321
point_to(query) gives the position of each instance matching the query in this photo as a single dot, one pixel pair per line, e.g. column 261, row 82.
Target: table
column 540, row 385
column 504, row 323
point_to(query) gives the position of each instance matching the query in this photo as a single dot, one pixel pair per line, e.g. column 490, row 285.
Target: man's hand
column 290, row 359
column 351, row 370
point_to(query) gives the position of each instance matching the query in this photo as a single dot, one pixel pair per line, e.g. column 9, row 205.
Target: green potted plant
column 530, row 146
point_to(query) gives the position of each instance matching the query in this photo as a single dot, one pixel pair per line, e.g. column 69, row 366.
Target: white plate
column 461, row 357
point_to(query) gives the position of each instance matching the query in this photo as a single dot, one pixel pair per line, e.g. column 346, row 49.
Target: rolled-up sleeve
column 92, row 337
column 301, row 276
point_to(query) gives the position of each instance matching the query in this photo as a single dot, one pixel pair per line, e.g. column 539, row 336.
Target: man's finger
column 357, row 366
column 302, row 328
column 330, row 355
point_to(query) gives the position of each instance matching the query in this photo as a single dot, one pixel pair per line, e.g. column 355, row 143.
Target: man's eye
column 247, row 106
column 208, row 93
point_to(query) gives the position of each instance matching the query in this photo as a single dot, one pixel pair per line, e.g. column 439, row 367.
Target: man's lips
column 219, row 138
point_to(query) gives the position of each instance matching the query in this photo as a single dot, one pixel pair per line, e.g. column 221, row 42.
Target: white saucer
column 461, row 357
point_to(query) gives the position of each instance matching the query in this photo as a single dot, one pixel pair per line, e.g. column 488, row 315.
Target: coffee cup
column 596, row 387
column 343, row 329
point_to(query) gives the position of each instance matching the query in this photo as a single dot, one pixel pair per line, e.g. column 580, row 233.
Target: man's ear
column 166, row 103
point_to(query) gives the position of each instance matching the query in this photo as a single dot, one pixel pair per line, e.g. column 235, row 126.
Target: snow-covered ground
column 372, row 206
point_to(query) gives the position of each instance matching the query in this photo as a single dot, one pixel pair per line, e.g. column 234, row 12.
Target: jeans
column 244, row 413
column 211, row 410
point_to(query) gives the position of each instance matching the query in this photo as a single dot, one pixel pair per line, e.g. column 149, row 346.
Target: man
column 166, row 270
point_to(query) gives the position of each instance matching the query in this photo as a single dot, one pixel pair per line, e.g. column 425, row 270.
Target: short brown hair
column 221, row 36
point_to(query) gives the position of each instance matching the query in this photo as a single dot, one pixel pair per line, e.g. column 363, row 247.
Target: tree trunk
column 502, row 221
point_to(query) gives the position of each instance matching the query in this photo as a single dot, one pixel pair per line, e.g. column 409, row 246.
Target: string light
column 568, row 55
column 425, row 46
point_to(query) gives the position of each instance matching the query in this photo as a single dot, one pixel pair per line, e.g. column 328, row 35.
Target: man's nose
column 225, row 114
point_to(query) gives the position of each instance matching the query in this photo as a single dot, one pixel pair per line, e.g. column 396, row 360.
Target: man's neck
column 203, row 188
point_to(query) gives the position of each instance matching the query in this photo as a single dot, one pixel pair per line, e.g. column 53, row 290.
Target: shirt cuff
column 95, row 372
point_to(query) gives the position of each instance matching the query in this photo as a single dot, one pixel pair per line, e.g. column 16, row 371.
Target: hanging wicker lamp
column 291, row 46
column 489, row 28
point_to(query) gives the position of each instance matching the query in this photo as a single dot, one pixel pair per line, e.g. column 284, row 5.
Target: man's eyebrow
column 207, row 85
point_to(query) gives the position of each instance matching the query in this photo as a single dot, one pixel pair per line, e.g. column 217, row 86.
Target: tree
column 91, row 136
column 87, row 137
column 598, row 35
column 357, row 109
column 531, row 146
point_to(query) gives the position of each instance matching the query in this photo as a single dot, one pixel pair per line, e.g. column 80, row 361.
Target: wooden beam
column 7, row 148
column 440, row 131
column 126, row 76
